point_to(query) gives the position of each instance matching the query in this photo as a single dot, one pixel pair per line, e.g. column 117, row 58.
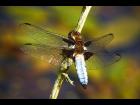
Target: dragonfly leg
column 66, row 63
column 68, row 78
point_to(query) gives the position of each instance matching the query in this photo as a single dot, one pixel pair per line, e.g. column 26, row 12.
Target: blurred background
column 23, row 77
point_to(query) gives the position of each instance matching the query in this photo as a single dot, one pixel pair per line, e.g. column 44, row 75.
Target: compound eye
column 71, row 35
column 76, row 33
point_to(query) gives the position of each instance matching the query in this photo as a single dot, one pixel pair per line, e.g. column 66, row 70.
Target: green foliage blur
column 22, row 76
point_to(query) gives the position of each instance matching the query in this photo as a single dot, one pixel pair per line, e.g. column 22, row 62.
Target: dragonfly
column 53, row 47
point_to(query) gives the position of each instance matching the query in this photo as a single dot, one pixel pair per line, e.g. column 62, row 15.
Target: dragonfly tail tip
column 84, row 86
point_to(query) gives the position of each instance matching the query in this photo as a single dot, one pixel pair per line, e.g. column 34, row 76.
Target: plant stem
column 64, row 69
column 82, row 19
column 57, row 86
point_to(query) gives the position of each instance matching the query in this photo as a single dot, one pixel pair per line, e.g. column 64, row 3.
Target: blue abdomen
column 81, row 69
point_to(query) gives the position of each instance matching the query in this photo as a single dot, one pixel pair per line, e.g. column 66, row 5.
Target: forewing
column 42, row 36
column 100, row 43
column 49, row 54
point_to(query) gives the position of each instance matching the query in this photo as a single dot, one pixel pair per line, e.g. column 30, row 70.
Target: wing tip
column 22, row 24
column 28, row 44
column 111, row 34
column 27, row 23
column 118, row 54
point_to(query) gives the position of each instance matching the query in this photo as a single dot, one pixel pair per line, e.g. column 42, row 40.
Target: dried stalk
column 64, row 67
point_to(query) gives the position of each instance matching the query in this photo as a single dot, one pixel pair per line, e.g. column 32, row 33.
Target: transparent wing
column 100, row 43
column 52, row 55
column 41, row 36
column 102, row 59
column 108, row 58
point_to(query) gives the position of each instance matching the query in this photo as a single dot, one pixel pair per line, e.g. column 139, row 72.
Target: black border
column 69, row 2
column 72, row 102
column 75, row 3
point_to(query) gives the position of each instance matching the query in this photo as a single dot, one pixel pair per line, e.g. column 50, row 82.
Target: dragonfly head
column 73, row 35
